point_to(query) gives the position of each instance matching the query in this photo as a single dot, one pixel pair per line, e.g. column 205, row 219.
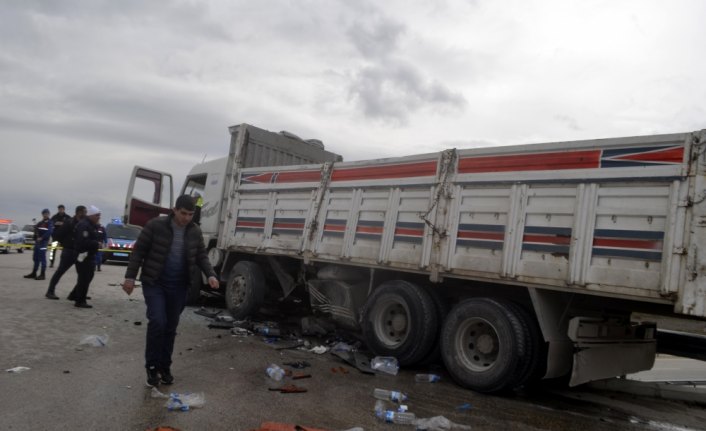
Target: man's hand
column 213, row 282
column 128, row 286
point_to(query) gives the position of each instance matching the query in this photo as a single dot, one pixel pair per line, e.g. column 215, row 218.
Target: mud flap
column 607, row 348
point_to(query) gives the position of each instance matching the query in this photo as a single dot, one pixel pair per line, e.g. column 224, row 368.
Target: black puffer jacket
column 153, row 245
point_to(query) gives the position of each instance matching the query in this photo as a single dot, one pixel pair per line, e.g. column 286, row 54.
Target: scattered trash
column 67, row 372
column 319, row 350
column 224, row 318
column 354, row 429
column 137, row 323
column 210, row 314
column 181, row 402
column 341, row 347
column 438, row 423
column 464, row 407
column 278, row 426
column 385, row 364
column 220, row 325
column 17, row 370
column 298, row 364
column 298, row 376
column 314, row 326
column 275, row 372
column 240, row 332
column 341, row 370
column 289, row 389
column 427, row 378
column 270, row 331
column 278, row 344
column 164, row 428
column 384, row 394
column 94, row 340
column 391, row 416
column 358, row 360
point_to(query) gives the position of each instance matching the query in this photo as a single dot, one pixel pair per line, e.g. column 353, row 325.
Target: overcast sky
column 90, row 88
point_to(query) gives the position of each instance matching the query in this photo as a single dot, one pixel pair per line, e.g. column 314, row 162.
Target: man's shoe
column 51, row 296
column 152, row 377
column 82, row 305
column 39, row 277
column 31, row 275
column 166, row 376
column 71, row 297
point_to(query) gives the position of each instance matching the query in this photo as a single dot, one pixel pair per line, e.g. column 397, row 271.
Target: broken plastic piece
column 94, row 340
column 17, row 369
column 438, row 423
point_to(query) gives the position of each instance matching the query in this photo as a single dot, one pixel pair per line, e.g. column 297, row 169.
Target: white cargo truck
column 512, row 263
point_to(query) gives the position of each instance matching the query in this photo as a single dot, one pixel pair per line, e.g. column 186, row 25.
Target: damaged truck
column 511, row 264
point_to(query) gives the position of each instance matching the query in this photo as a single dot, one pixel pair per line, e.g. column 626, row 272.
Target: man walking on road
column 86, row 243
column 65, row 236
column 168, row 250
column 42, row 233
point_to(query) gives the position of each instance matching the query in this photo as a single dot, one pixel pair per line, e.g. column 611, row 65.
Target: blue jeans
column 40, row 257
column 165, row 302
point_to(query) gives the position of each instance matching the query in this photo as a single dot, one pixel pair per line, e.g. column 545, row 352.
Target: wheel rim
column 477, row 344
column 238, row 289
column 391, row 322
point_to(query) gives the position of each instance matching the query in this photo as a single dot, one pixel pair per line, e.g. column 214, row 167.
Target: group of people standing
column 167, row 253
column 81, row 237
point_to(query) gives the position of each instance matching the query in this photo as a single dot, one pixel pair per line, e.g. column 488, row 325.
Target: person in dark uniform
column 65, row 236
column 86, row 244
column 42, row 233
column 103, row 237
column 167, row 251
column 58, row 219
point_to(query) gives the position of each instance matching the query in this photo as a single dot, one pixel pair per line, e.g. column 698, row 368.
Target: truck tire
column 399, row 319
column 442, row 309
column 533, row 364
column 483, row 343
column 245, row 291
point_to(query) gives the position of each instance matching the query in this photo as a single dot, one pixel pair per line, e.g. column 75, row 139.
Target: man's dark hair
column 185, row 202
column 80, row 208
column 61, row 207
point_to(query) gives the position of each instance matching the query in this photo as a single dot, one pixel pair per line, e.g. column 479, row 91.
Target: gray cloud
column 391, row 92
column 388, row 88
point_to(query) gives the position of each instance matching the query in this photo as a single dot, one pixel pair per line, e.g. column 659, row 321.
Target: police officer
column 42, row 232
column 65, row 236
column 58, row 219
column 86, row 243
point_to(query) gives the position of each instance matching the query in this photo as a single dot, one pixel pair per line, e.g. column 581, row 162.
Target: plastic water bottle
column 267, row 330
column 384, row 394
column 275, row 372
column 385, row 364
column 391, row 416
column 427, row 378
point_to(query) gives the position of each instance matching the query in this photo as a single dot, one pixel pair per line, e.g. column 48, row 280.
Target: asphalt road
column 73, row 387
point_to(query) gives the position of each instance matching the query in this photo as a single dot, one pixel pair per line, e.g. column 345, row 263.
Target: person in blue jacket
column 103, row 237
column 42, row 232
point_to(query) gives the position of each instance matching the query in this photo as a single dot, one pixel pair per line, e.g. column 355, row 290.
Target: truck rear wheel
column 245, row 291
column 400, row 320
column 483, row 345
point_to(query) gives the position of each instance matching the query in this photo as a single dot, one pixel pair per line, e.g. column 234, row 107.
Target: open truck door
column 150, row 194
